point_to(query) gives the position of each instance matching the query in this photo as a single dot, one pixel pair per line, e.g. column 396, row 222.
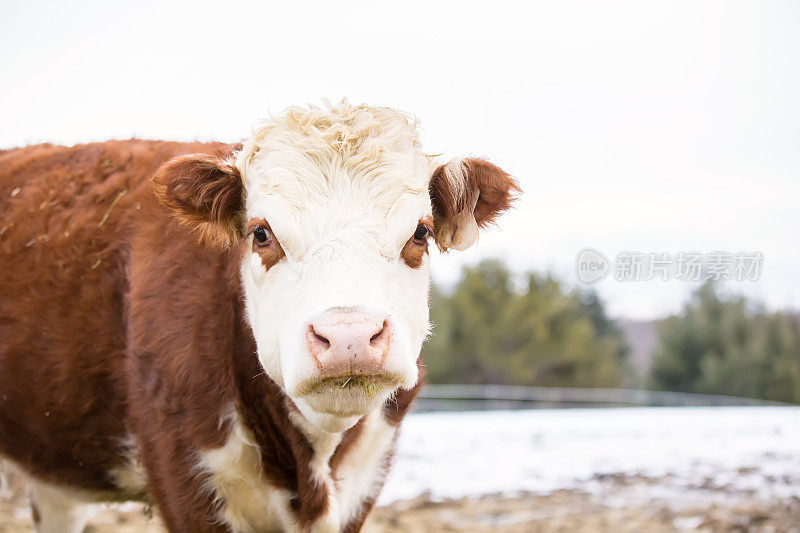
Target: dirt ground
column 615, row 505
column 568, row 511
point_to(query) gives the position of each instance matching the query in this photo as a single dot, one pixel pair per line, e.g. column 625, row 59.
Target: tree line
column 728, row 344
column 532, row 329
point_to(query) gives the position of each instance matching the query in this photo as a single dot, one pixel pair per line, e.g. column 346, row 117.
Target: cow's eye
column 260, row 235
column 421, row 234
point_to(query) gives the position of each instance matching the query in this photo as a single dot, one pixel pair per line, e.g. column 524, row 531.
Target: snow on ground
column 449, row 455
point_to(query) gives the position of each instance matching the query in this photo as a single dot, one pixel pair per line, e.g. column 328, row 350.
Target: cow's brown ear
column 204, row 193
column 468, row 194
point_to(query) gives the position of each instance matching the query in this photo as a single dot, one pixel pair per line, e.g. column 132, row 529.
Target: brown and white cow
column 240, row 347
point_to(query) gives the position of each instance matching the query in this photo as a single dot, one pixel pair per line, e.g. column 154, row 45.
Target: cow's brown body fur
column 116, row 323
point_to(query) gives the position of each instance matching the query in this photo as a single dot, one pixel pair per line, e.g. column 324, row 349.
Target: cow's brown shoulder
column 65, row 217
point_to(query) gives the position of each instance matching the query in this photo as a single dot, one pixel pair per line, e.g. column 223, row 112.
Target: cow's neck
column 333, row 476
column 295, row 455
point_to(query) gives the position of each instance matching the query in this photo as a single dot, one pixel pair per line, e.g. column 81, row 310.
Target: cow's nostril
column 375, row 339
column 325, row 342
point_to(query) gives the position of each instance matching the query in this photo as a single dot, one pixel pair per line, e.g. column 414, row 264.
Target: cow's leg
column 55, row 511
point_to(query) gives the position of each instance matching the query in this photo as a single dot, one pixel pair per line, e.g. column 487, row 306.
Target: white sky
column 655, row 127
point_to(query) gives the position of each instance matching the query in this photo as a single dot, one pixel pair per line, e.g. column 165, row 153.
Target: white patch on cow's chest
column 130, row 477
column 361, row 474
column 249, row 502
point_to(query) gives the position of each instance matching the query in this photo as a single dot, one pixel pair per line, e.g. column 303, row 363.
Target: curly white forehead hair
column 360, row 137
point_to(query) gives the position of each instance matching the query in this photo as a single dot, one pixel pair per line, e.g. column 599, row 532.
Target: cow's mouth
column 368, row 385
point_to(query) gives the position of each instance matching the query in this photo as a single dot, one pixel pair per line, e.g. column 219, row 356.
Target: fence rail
column 433, row 394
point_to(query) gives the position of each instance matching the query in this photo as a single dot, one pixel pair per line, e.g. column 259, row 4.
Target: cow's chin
column 349, row 396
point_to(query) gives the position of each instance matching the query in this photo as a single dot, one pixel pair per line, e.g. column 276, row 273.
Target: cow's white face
column 339, row 207
column 341, row 215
